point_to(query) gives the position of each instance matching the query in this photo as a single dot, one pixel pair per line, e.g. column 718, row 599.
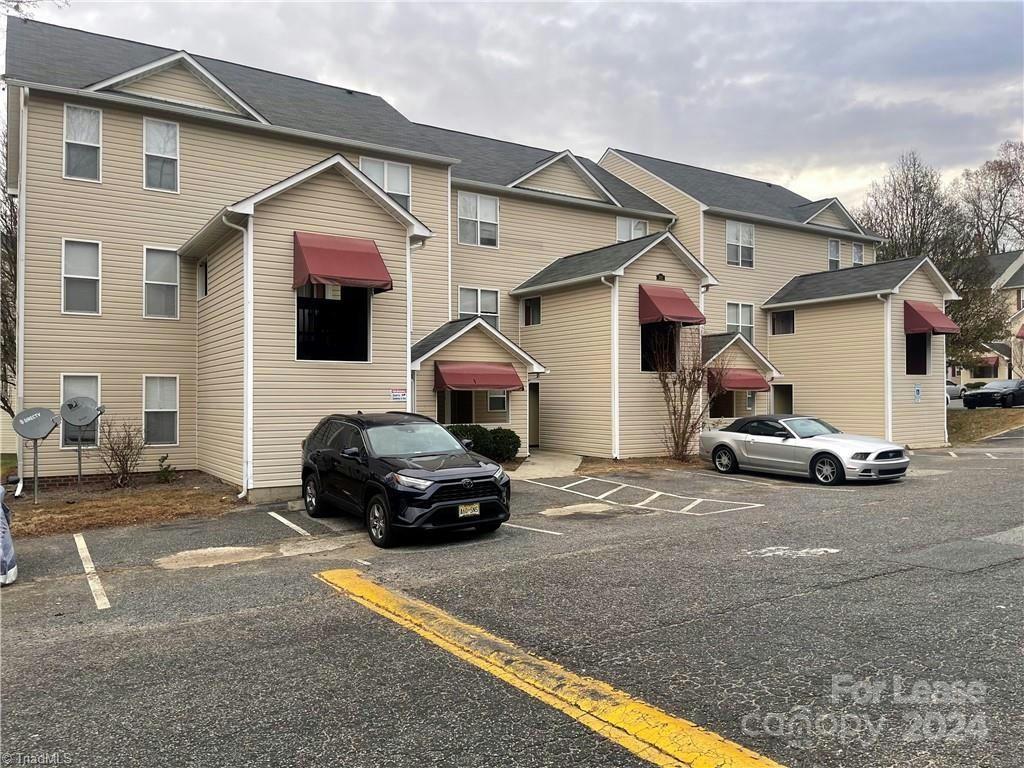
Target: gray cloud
column 819, row 96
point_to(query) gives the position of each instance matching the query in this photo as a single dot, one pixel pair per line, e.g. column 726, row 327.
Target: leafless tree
column 120, row 447
column 8, row 290
column 26, row 8
column 1017, row 357
column 992, row 198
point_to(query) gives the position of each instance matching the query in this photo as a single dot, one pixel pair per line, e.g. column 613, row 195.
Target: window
column 346, row 437
column 79, row 385
column 393, row 178
column 161, row 154
column 739, row 318
column 161, row 271
column 479, row 302
column 160, row 410
column 985, row 371
column 1020, row 299
column 531, row 311
column 81, row 277
column 751, row 400
column 658, row 346
column 739, row 244
column 629, row 229
column 202, row 271
column 918, row 345
column 478, row 219
column 83, row 131
column 332, row 323
column 760, row 428
column 857, row 249
column 497, row 400
column 783, row 323
column 833, row 255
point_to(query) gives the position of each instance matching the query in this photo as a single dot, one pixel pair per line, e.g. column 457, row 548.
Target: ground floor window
column 161, row 410
column 985, row 372
column 723, row 406
column 782, row 398
column 79, row 385
column 455, row 407
column 497, row 401
column 658, row 346
column 332, row 322
column 917, row 353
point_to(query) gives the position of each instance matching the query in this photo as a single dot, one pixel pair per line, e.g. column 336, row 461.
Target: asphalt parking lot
column 812, row 626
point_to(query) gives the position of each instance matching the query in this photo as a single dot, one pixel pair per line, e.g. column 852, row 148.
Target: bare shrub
column 120, row 447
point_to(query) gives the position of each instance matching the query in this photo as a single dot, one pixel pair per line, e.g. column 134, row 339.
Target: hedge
column 497, row 444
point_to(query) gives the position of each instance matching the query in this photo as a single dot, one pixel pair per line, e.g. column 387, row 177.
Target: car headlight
column 499, row 475
column 412, row 482
column 859, row 457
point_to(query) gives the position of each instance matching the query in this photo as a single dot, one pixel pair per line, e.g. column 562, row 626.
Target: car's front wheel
column 826, row 470
column 724, row 460
column 378, row 522
column 311, row 496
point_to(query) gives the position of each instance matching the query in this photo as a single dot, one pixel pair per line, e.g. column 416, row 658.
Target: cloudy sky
column 819, row 97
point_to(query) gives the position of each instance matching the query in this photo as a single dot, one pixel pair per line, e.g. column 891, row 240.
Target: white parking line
column 578, row 482
column 535, row 530
column 98, row 593
column 951, row 454
column 686, row 510
column 991, row 456
column 649, row 499
column 363, row 562
column 609, row 493
column 289, row 523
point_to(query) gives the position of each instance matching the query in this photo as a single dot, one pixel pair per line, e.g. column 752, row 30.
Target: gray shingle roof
column 493, row 161
column 437, row 337
column 595, row 263
column 1000, row 262
column 1000, row 347
column 880, row 277
column 1016, row 280
column 713, row 343
column 54, row 55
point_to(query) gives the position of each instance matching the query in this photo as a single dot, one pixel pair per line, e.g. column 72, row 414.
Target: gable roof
column 728, row 193
column 1016, row 280
column 714, row 344
column 445, row 334
column 47, row 54
column 574, row 161
column 1000, row 263
column 607, row 261
column 1001, row 348
column 882, row 277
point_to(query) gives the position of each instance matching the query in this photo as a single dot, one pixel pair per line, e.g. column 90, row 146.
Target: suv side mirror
column 468, row 443
column 352, row 453
column 781, row 433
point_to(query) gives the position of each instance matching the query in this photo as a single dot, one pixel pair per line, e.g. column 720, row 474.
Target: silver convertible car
column 802, row 445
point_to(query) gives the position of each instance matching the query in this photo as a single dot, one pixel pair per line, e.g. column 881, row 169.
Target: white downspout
column 408, row 322
column 888, row 364
column 20, row 278
column 614, row 285
column 247, row 299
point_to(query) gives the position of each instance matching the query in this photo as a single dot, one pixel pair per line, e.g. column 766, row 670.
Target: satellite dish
column 80, row 411
column 35, row 423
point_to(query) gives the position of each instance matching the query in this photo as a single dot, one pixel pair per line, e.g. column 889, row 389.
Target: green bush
column 504, row 444
column 481, row 436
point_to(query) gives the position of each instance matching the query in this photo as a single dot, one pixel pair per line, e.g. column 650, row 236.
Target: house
column 796, row 280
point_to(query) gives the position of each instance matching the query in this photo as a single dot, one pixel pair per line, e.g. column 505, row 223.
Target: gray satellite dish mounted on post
column 35, row 424
column 80, row 412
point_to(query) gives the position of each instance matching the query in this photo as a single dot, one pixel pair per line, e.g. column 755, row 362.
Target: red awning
column 743, row 379
column 922, row 317
column 1020, row 332
column 989, row 360
column 332, row 260
column 450, row 375
column 667, row 304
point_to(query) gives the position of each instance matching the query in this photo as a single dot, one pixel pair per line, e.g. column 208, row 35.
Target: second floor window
column 783, row 323
column 81, row 277
column 739, row 318
column 858, row 254
column 161, row 154
column 629, row 229
column 739, row 244
column 83, row 128
column 393, row 178
column 161, row 284
column 479, row 302
column 833, row 255
column 478, row 219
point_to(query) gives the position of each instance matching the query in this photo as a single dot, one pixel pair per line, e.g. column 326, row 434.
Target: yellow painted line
column 645, row 730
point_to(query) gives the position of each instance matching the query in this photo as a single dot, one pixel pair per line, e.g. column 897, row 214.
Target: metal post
column 35, row 471
column 80, row 428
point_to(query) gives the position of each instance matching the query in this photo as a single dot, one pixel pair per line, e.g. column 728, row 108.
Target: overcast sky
column 818, row 97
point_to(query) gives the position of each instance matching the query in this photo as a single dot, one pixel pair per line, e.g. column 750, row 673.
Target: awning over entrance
column 1020, row 332
column 742, row 379
column 922, row 317
column 452, row 375
column 667, row 304
column 989, row 360
column 333, row 260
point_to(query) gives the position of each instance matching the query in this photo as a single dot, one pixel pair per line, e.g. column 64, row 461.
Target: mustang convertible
column 802, row 445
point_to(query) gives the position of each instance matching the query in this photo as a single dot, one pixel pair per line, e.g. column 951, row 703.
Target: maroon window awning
column 742, row 379
column 667, row 304
column 922, row 317
column 989, row 360
column 452, row 375
column 332, row 260
column 1020, row 332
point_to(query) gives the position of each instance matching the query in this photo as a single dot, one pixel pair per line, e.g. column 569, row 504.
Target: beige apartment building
column 224, row 255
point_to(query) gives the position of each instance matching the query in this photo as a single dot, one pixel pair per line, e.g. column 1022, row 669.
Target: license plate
column 469, row 510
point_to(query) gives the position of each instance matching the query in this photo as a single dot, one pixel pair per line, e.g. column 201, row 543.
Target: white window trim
column 753, row 244
column 751, row 402
column 632, row 221
column 497, row 224
column 828, row 254
column 503, row 393
column 177, row 294
column 387, row 176
column 853, row 254
column 205, row 264
column 99, row 400
column 99, row 269
column 176, row 158
column 771, row 322
column 753, row 320
column 495, row 315
column 64, row 147
column 522, row 311
column 369, row 335
column 177, row 409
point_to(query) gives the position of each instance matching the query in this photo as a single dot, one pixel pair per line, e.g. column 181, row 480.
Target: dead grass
column 967, row 426
column 595, row 466
column 192, row 495
column 8, row 465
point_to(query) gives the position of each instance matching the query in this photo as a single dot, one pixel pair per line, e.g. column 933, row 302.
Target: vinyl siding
column 562, row 178
column 922, row 424
column 687, row 210
column 643, row 415
column 220, row 364
column 835, row 361
column 573, row 342
column 291, row 396
column 831, row 218
column 477, row 346
column 178, row 84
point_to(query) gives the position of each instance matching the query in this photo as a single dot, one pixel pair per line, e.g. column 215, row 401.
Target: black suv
column 401, row 471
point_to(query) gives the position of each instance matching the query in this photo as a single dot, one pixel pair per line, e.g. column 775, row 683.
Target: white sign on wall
column 917, row 393
column 399, row 395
